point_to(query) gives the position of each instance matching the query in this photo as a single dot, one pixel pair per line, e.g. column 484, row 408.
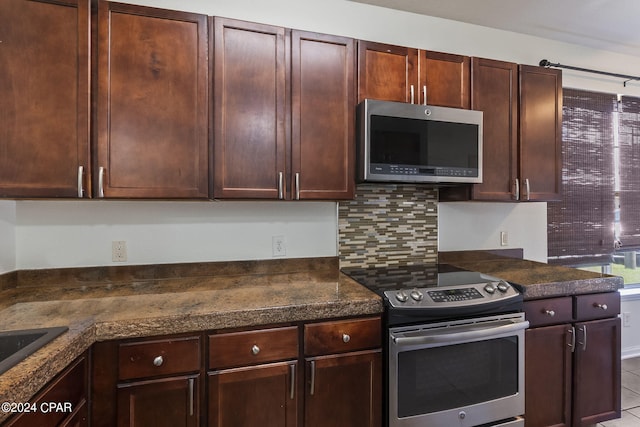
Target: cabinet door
column 263, row 395
column 69, row 389
column 44, row 106
column 387, row 72
column 445, row 79
column 548, row 363
column 249, row 110
column 323, row 122
column 344, row 390
column 596, row 379
column 166, row 402
column 494, row 91
column 540, row 133
column 152, row 103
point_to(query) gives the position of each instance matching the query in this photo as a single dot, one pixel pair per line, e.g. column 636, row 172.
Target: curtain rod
column 547, row 64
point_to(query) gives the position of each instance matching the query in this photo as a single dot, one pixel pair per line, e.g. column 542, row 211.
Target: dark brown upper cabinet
column 522, row 159
column 402, row 74
column 152, row 109
column 540, row 133
column 283, row 113
column 44, row 106
column 445, row 79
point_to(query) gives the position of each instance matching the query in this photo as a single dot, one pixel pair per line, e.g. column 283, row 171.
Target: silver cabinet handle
column 550, row 313
column 583, row 330
column 191, row 386
column 158, row 361
column 346, row 338
column 292, row 385
column 412, row 95
column 526, row 185
column 297, row 185
column 517, row 190
column 424, row 94
column 601, row 306
column 255, row 350
column 101, row 182
column 80, row 181
column 312, row 388
column 280, row 185
column 572, row 343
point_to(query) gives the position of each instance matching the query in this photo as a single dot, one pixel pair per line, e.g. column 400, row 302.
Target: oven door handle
column 431, row 338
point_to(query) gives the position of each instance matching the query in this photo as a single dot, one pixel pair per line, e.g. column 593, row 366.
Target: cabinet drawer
column 597, row 306
column 252, row 347
column 161, row 357
column 548, row 311
column 342, row 336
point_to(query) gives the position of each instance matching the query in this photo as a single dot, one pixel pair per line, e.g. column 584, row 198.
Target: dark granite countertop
column 535, row 279
column 100, row 304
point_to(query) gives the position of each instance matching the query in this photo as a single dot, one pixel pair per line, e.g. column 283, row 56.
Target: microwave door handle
column 458, row 336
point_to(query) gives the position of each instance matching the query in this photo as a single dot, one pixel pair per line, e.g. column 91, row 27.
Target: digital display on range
column 451, row 295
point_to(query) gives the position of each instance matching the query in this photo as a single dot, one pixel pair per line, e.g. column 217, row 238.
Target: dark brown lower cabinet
column 572, row 369
column 263, row 395
column 170, row 402
column 548, row 376
column 343, row 390
column 69, row 391
column 313, row 374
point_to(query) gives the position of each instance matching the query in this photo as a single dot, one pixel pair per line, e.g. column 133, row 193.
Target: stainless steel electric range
column 454, row 346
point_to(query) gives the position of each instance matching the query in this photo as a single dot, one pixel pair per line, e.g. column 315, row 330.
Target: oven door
column 461, row 373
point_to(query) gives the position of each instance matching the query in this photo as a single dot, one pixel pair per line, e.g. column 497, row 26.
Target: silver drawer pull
column 255, row 350
column 601, row 306
column 346, row 338
column 549, row 313
column 158, row 361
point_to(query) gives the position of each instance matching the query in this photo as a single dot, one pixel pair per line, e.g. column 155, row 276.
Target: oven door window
column 439, row 378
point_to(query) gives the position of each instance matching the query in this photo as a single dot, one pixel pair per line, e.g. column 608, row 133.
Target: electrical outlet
column 278, row 246
column 118, row 251
column 626, row 320
column 504, row 238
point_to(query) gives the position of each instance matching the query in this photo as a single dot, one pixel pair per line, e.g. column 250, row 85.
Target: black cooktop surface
column 397, row 277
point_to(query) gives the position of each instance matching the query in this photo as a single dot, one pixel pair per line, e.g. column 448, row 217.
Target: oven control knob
column 462, row 415
column 417, row 295
column 489, row 288
column 402, row 296
column 503, row 286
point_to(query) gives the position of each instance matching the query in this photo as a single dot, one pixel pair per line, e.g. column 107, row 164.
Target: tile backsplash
column 389, row 224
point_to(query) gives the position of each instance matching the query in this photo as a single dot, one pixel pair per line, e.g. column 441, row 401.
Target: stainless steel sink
column 15, row 346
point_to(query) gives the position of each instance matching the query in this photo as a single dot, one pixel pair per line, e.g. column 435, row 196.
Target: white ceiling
column 612, row 25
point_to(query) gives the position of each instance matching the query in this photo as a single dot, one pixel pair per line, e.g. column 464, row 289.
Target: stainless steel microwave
column 411, row 143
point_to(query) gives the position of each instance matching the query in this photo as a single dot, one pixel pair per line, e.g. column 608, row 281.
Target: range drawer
column 233, row 349
column 342, row 336
column 597, row 306
column 549, row 311
column 159, row 357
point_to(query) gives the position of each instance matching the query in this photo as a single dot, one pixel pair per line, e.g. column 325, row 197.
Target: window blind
column 580, row 227
column 629, row 155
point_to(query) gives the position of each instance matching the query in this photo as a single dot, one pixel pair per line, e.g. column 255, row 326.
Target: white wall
column 7, row 236
column 630, row 306
column 56, row 234
column 80, row 233
column 473, row 225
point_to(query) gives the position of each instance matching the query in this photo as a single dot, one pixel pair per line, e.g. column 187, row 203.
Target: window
column 598, row 221
column 580, row 227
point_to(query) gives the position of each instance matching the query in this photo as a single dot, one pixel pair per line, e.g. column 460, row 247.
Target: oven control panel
column 451, row 296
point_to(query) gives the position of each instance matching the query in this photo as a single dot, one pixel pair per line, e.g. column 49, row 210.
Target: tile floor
column 630, row 396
